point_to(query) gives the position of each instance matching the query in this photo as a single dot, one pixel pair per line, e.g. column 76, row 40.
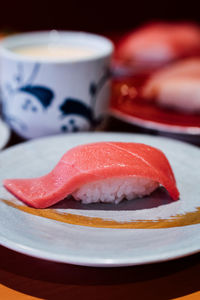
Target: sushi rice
column 114, row 190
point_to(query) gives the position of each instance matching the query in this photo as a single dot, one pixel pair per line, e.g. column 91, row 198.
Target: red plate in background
column 128, row 107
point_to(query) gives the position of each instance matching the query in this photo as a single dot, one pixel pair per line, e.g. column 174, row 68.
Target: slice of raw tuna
column 91, row 163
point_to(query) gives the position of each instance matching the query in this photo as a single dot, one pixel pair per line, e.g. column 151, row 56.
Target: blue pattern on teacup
column 25, row 99
column 42, row 94
column 74, row 108
column 32, row 102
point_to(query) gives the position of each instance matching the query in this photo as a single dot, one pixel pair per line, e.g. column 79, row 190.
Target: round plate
column 86, row 244
column 4, row 134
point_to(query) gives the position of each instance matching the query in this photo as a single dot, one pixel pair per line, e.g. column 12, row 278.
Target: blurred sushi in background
column 176, row 86
column 156, row 44
column 156, row 86
column 162, row 60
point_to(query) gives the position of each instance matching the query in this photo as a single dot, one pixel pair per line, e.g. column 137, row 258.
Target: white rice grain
column 114, row 190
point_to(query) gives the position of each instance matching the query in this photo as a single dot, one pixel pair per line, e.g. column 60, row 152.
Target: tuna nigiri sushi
column 160, row 43
column 99, row 172
column 176, row 86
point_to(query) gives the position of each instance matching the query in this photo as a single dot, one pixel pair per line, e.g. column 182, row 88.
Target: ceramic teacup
column 49, row 95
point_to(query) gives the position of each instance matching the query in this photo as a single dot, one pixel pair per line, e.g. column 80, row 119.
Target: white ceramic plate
column 84, row 245
column 4, row 134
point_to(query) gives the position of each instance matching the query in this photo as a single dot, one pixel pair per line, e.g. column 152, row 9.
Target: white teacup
column 54, row 82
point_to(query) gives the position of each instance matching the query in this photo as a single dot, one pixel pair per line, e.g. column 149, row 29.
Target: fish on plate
column 176, row 86
column 159, row 43
column 99, row 172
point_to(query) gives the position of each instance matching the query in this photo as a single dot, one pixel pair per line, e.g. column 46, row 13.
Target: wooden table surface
column 24, row 277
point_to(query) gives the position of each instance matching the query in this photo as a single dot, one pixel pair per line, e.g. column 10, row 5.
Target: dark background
column 96, row 16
